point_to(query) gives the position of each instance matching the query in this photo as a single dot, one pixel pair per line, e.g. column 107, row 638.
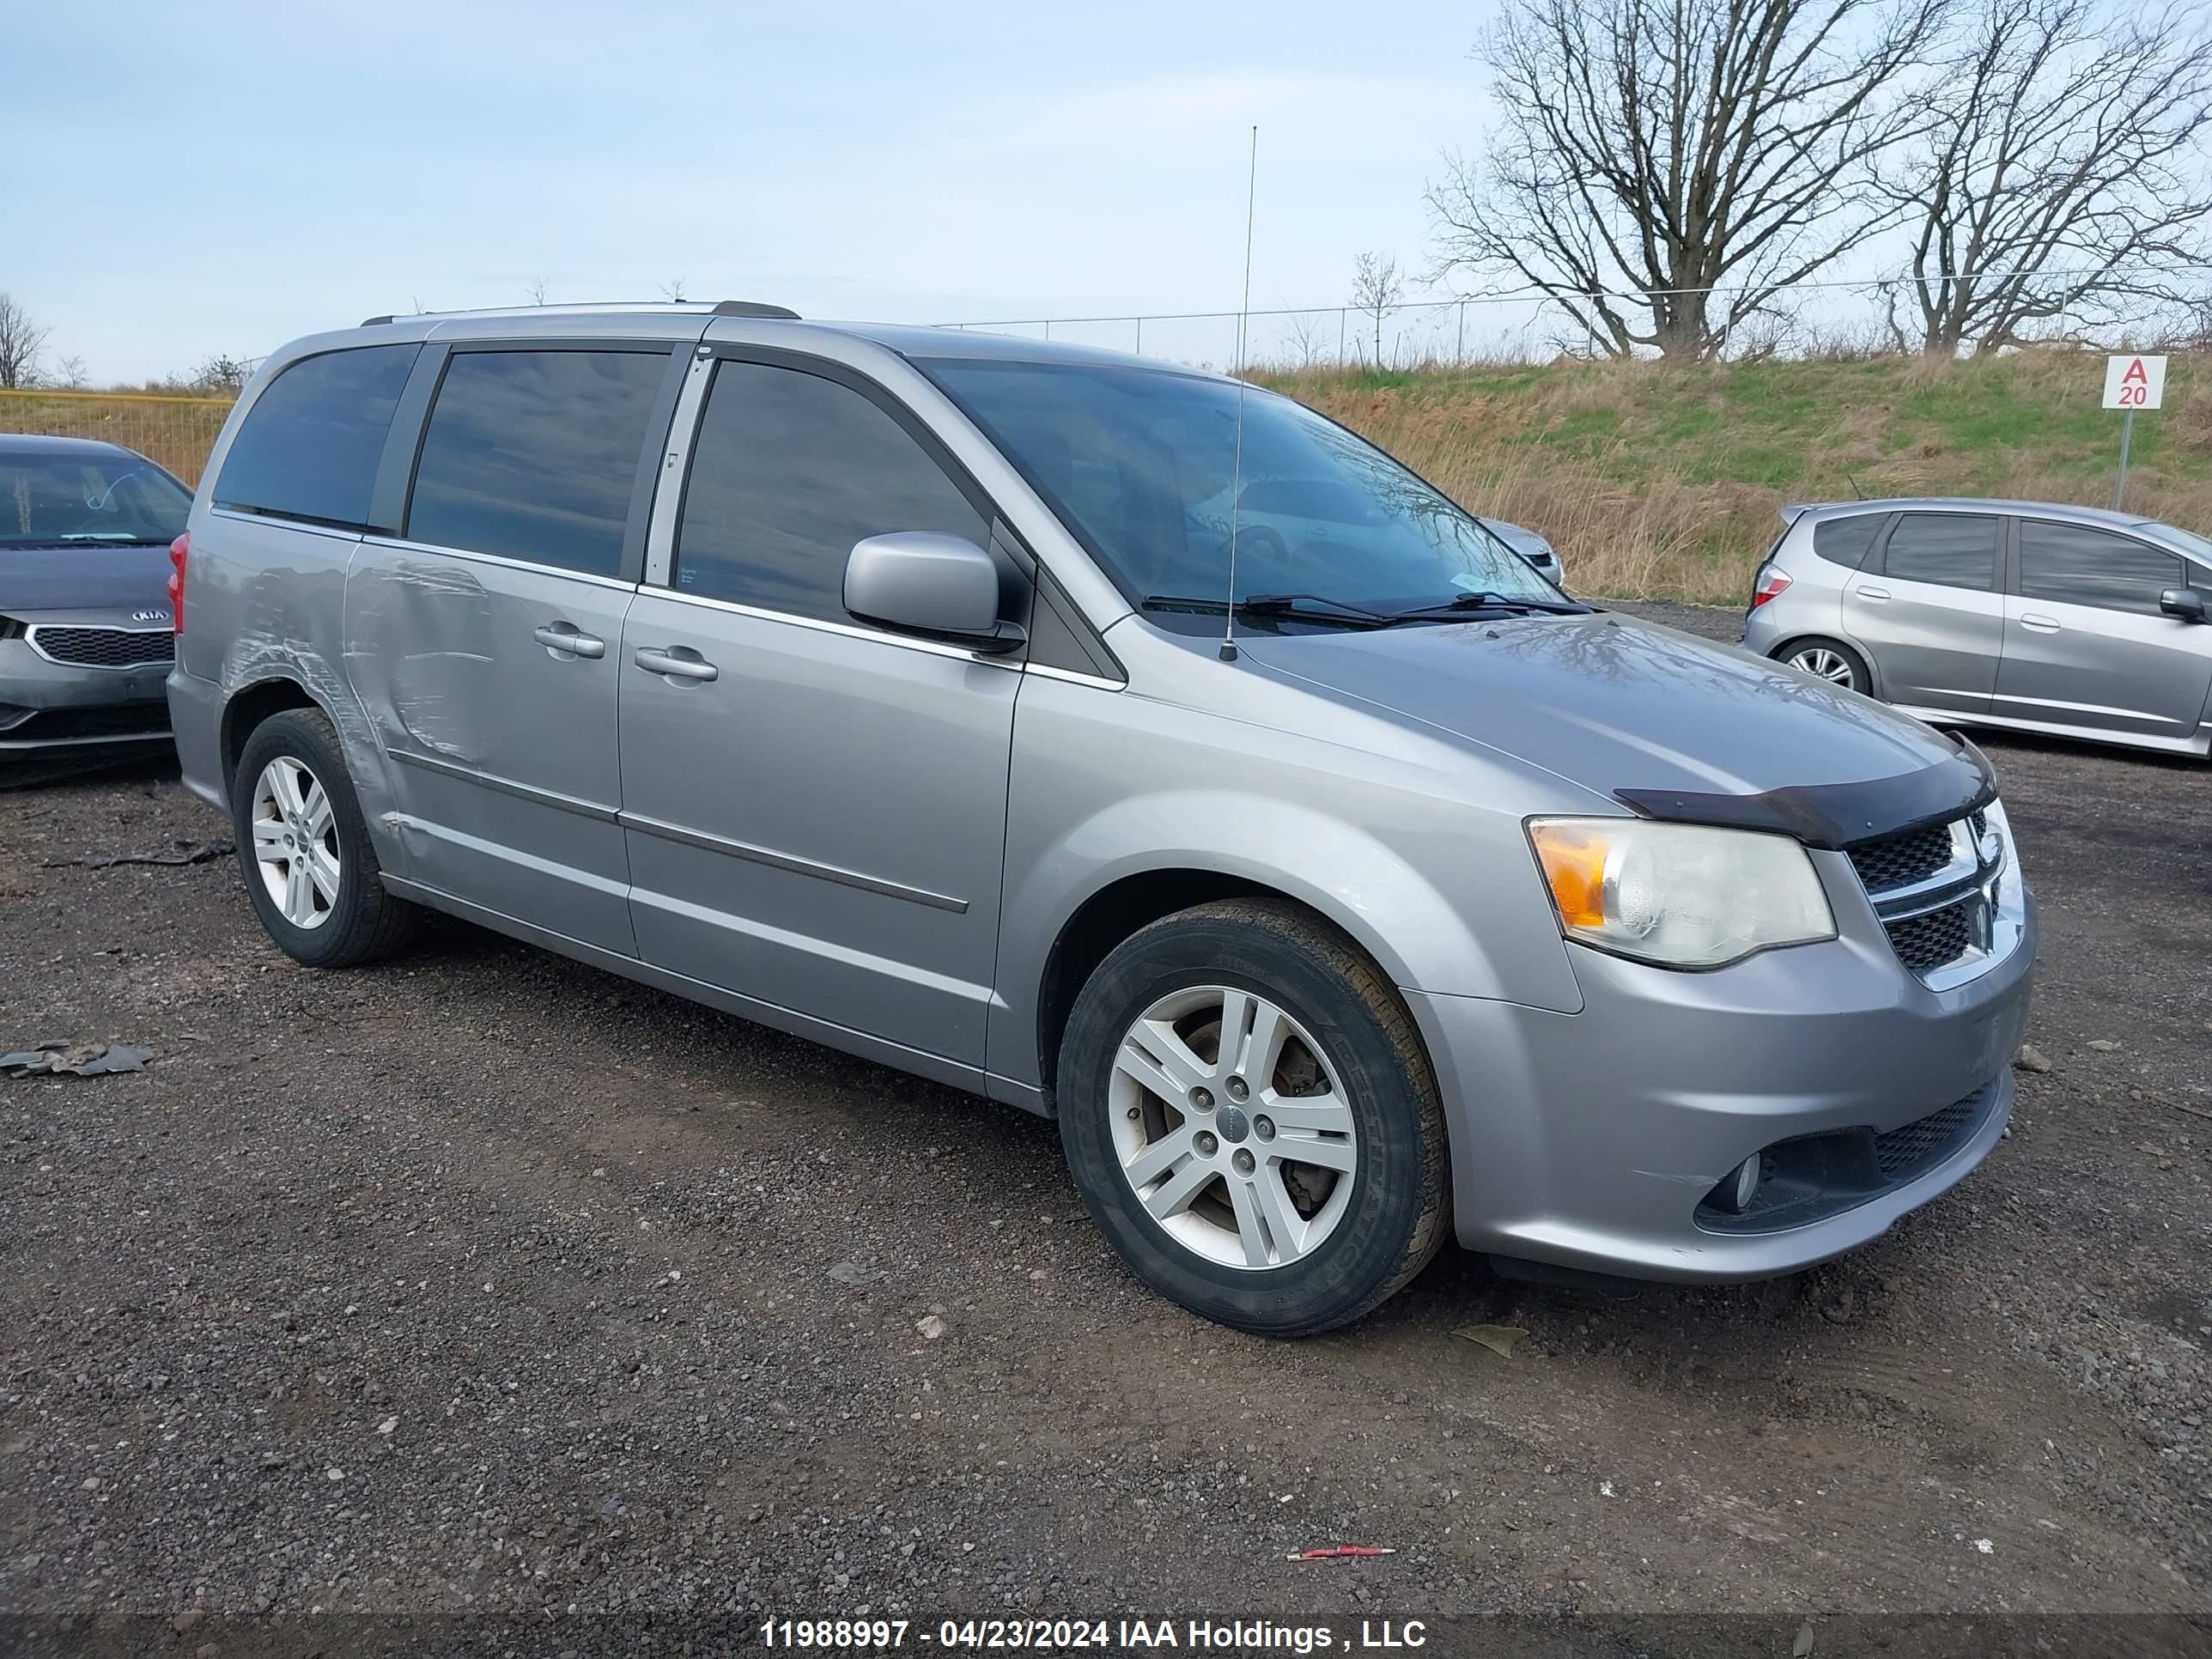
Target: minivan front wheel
column 1830, row 660
column 304, row 844
column 1251, row 1122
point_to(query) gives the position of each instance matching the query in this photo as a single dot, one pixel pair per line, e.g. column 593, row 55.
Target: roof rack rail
column 374, row 322
column 754, row 308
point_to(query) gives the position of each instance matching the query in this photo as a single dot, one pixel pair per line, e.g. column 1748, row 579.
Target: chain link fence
column 176, row 431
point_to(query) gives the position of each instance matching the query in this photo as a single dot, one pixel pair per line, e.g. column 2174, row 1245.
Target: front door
column 1929, row 608
column 2086, row 645
column 485, row 642
column 814, row 808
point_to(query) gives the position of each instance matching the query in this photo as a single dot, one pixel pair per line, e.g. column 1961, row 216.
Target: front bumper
column 1591, row 1141
column 49, row 707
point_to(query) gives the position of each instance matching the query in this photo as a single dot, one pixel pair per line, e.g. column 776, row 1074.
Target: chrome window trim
column 528, row 792
column 676, row 470
column 307, row 525
column 31, row 638
column 796, row 865
column 1072, row 676
column 396, row 544
column 881, row 636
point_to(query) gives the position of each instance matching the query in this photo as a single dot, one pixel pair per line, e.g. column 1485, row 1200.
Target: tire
column 1839, row 664
column 1278, row 1246
column 349, row 920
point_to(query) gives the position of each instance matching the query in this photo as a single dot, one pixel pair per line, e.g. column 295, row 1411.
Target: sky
column 221, row 179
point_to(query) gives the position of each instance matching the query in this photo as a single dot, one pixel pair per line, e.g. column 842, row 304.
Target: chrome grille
column 1943, row 936
column 1900, row 861
column 105, row 648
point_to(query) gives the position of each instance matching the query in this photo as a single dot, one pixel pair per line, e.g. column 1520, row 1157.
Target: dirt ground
column 484, row 1284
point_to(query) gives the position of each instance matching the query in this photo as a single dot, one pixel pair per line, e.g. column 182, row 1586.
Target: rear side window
column 789, row 472
column 2074, row 564
column 531, row 455
column 1957, row 550
column 309, row 447
column 1845, row 541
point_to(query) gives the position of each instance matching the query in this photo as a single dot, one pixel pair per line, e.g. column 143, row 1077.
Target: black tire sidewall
column 308, row 737
column 1350, row 1270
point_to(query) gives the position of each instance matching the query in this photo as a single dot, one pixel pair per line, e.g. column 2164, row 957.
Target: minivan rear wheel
column 304, row 844
column 1250, row 1119
column 1830, row 660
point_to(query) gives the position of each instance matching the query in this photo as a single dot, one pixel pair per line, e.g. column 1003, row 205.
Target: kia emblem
column 149, row 616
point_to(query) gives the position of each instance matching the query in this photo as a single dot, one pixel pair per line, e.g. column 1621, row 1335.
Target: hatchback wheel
column 310, row 870
column 1250, row 1119
column 1830, row 660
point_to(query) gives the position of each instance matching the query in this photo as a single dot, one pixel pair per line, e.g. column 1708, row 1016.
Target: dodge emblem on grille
column 149, row 616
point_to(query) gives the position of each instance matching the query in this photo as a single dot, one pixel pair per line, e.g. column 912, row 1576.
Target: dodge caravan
column 1338, row 893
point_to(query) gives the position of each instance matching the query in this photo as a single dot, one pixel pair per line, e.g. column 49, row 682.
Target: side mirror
column 2186, row 603
column 924, row 583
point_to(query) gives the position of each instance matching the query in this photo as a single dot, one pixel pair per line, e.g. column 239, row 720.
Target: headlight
column 1678, row 894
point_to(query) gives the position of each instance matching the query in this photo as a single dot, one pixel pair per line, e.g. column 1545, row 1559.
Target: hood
column 83, row 576
column 1671, row 726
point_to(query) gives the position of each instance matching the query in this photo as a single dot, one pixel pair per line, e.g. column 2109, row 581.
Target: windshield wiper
column 1489, row 601
column 1302, row 607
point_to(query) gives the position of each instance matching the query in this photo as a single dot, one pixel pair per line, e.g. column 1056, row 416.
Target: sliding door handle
column 2041, row 624
column 687, row 665
column 567, row 636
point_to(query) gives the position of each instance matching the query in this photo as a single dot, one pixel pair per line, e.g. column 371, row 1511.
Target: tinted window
column 532, row 454
column 1956, row 549
column 789, row 472
column 2076, row 565
column 86, row 498
column 1845, row 541
column 309, row 445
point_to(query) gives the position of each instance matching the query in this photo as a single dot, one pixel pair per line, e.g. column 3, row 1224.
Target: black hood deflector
column 1833, row 816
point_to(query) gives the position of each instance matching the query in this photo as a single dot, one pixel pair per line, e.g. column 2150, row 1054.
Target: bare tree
column 1308, row 335
column 674, row 288
column 538, row 290
column 70, row 374
column 1662, row 149
column 1376, row 291
column 221, row 375
column 23, row 340
column 2064, row 170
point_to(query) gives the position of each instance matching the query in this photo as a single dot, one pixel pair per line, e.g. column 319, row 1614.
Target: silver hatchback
column 2065, row 620
column 1340, row 890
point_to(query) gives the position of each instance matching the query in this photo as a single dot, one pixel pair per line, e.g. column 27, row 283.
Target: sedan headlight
column 1681, row 895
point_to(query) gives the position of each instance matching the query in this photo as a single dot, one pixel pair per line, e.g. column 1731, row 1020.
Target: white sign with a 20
column 2134, row 382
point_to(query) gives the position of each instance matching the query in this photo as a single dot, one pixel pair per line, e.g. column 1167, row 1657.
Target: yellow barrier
column 176, row 431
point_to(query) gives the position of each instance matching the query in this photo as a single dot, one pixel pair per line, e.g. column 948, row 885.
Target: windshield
column 52, row 497
column 2188, row 540
column 1139, row 464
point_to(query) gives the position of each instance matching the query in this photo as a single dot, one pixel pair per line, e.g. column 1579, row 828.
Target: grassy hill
column 1665, row 483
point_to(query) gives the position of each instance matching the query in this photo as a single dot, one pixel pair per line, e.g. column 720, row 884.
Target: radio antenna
column 1236, row 471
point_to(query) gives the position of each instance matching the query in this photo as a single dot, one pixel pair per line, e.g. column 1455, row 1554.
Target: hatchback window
column 532, row 454
column 1957, row 550
column 1142, row 464
column 1845, row 541
column 88, row 498
column 309, row 446
column 2073, row 564
column 790, row 469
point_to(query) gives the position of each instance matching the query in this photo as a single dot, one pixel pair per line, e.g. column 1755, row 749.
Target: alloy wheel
column 1823, row 664
column 1232, row 1127
column 295, row 842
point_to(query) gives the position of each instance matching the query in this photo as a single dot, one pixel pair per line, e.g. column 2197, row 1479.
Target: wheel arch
column 247, row 707
column 1833, row 636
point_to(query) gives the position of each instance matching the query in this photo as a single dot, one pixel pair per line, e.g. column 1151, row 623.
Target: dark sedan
column 85, row 635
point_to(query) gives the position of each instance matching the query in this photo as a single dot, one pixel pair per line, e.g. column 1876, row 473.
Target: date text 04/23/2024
column 1096, row 1635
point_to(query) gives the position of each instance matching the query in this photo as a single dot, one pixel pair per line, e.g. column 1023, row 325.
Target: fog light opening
column 1738, row 1185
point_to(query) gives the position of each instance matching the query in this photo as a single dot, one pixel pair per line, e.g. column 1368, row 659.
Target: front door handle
column 567, row 636
column 691, row 666
column 1877, row 594
column 2041, row 624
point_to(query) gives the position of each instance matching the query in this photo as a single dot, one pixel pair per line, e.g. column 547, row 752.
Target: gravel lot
column 484, row 1283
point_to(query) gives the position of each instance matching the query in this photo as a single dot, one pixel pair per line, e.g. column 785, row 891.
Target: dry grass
column 1664, row 482
column 178, row 432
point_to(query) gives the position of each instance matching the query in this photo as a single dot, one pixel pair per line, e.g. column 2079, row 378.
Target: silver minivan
column 886, row 686
column 2027, row 615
